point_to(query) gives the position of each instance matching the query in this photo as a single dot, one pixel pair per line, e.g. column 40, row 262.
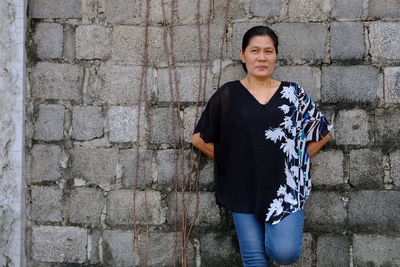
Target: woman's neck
column 260, row 82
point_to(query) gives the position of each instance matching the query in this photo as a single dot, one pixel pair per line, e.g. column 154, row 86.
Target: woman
column 261, row 134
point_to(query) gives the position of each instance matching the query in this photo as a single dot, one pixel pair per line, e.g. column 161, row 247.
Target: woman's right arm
column 206, row 148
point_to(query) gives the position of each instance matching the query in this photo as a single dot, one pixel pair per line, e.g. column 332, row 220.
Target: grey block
column 119, row 249
column 342, row 84
column 167, row 160
column 333, row 250
column 56, row 81
column 94, row 246
column 308, row 77
column 84, row 205
column 376, row 250
column 166, row 127
column 395, row 167
column 189, row 84
column 120, row 204
column 92, row 42
column 344, row 9
column 307, row 256
column 325, row 209
column 392, row 84
column 127, row 44
column 187, row 47
column 219, row 249
column 327, row 168
column 301, row 42
column 347, row 41
column 55, row 9
column 207, row 173
column 118, row 85
column 128, row 162
column 388, row 9
column 267, row 8
column 387, row 123
column 352, row 127
column 208, row 210
column 48, row 38
column 231, row 73
column 373, row 210
column 366, row 168
column 306, row 10
column 45, row 164
column 97, row 166
column 384, row 42
column 124, row 11
column 123, row 123
column 59, row 244
column 46, row 204
column 87, row 122
column 50, row 124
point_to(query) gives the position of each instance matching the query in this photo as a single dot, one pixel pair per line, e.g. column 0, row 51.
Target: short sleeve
column 314, row 123
column 209, row 123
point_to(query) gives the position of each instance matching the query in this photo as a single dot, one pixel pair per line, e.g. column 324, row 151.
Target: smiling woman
column 261, row 133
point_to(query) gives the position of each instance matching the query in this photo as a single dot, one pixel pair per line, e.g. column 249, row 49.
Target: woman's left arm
column 314, row 147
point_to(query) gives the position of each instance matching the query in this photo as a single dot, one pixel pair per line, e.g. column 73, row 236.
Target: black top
column 261, row 163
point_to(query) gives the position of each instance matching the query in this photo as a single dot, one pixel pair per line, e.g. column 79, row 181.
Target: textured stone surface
column 92, row 42
column 56, row 81
column 369, row 209
column 128, row 162
column 387, row 123
column 376, row 250
column 55, row 9
column 341, row 84
column 344, row 9
column 384, row 41
column 301, row 42
column 59, row 244
column 389, row 9
column 325, row 209
column 350, row 33
column 395, row 167
column 219, row 249
column 307, row 77
column 45, row 164
column 97, row 166
column 355, row 122
column 366, row 168
column 305, row 10
column 167, row 162
column 50, row 124
column 120, row 204
column 333, row 250
column 392, row 84
column 307, row 256
column 46, row 204
column 123, row 123
column 327, row 168
column 123, row 11
column 85, row 205
column 119, row 249
column 163, row 123
column 87, row 122
column 208, row 211
column 230, row 73
column 267, row 8
column 49, row 40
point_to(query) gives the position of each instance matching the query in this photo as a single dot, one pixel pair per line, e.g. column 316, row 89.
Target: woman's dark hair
column 257, row 31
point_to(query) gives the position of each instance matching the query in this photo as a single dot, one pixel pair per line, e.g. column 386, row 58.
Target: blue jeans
column 260, row 242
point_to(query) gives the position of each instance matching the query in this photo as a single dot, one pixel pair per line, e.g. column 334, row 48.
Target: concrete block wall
column 86, row 60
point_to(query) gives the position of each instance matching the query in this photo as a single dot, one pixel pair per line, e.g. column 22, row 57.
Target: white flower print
column 274, row 134
column 288, row 148
column 282, row 190
column 287, row 123
column 275, row 207
column 285, row 108
column 289, row 178
column 290, row 199
column 288, row 92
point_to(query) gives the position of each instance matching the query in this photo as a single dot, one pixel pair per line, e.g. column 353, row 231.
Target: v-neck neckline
column 255, row 99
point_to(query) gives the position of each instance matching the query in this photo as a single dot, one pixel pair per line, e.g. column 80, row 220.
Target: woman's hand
column 314, row 147
column 206, row 148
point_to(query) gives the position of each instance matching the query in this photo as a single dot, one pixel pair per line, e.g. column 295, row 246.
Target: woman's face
column 259, row 56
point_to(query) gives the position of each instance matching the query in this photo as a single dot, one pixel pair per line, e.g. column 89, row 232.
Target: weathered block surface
column 92, row 42
column 267, row 8
column 218, row 249
column 50, row 124
column 49, row 40
column 163, row 122
column 376, row 250
column 333, row 250
column 366, row 168
column 387, row 123
column 120, row 204
column 389, row 9
column 344, row 9
column 327, row 168
column 384, row 41
column 45, row 164
column 59, row 244
column 342, row 84
column 55, row 9
column 314, row 10
column 352, row 34
column 395, row 167
column 375, row 211
column 123, row 123
column 87, row 122
column 46, row 204
column 392, row 84
column 167, row 162
column 355, row 122
column 119, row 249
column 128, row 162
column 123, row 11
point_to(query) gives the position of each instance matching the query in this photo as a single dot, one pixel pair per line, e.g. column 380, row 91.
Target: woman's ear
column 242, row 56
